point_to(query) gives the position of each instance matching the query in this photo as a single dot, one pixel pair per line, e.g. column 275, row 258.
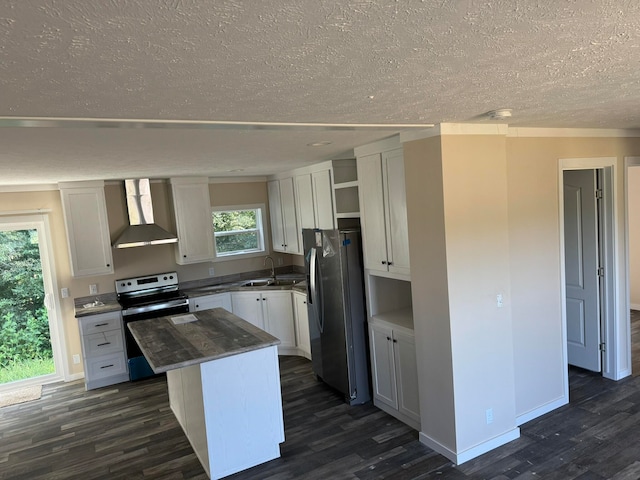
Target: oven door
column 139, row 368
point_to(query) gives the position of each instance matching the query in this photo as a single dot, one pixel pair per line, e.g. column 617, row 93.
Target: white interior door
column 581, row 269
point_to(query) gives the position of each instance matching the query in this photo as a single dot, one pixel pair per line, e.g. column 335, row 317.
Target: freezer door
column 335, row 369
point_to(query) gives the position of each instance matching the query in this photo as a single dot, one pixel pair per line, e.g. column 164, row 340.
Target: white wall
column 459, row 248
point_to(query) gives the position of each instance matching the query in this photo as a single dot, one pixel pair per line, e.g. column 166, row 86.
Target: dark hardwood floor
column 128, row 432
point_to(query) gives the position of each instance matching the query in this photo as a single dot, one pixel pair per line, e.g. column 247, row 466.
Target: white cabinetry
column 383, row 212
column 394, row 366
column 282, row 210
column 103, row 351
column 85, row 218
column 194, row 225
column 205, row 302
column 301, row 314
column 271, row 311
column 314, row 200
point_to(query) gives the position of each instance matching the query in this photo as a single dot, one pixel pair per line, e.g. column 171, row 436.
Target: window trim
column 262, row 234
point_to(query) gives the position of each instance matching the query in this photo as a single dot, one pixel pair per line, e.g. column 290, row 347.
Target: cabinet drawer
column 105, row 366
column 103, row 343
column 100, row 323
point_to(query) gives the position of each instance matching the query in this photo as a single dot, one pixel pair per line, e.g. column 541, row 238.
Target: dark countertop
column 216, row 334
column 108, row 302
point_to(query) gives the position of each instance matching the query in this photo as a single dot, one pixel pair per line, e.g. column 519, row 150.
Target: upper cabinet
column 282, row 210
column 85, row 218
column 314, row 200
column 194, row 225
column 383, row 212
column 324, row 195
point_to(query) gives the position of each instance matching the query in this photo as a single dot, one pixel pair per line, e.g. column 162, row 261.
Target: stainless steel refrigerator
column 337, row 316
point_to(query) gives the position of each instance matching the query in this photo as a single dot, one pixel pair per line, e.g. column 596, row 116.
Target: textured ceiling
column 555, row 63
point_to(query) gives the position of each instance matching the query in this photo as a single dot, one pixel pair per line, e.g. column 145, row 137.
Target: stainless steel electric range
column 143, row 298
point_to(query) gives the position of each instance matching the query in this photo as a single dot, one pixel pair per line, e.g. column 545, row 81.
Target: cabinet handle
column 108, row 264
column 395, row 341
column 184, row 256
column 383, row 262
column 103, row 344
column 389, row 263
column 264, row 299
column 257, row 299
column 101, row 324
column 107, row 366
column 389, row 338
column 304, row 302
column 197, row 306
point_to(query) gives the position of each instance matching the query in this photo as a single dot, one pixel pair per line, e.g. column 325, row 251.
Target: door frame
column 40, row 222
column 614, row 328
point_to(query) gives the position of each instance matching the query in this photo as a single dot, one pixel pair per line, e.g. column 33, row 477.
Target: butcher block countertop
column 214, row 334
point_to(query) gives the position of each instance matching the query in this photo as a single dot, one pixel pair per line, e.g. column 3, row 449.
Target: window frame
column 260, row 220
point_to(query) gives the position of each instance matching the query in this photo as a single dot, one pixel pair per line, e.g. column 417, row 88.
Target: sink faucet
column 273, row 270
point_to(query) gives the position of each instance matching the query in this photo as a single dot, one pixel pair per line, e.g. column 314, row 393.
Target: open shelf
column 351, row 184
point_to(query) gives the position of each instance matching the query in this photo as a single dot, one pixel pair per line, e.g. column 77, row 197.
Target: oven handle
column 151, row 308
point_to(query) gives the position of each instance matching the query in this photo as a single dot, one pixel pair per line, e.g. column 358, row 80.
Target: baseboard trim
column 74, row 376
column 473, row 452
column 542, row 410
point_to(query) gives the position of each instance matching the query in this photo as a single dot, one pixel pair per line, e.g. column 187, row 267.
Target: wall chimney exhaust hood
column 142, row 231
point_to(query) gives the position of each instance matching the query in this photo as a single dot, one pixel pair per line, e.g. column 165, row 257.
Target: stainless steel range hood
column 142, row 231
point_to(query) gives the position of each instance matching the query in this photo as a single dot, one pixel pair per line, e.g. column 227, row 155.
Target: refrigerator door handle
column 313, row 269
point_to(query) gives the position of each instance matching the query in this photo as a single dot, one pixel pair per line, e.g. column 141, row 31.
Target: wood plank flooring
column 128, row 432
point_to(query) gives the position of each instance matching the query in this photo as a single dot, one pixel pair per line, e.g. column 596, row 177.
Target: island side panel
column 243, row 410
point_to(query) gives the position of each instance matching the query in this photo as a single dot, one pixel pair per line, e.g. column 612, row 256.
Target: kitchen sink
column 270, row 282
column 284, row 282
column 259, row 283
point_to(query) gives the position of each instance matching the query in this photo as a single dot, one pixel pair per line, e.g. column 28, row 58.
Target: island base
column 230, row 410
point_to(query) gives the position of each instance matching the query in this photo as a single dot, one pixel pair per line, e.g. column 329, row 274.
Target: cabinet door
column 288, row 204
column 383, row 365
column 222, row 300
column 248, row 306
column 85, row 218
column 192, row 208
column 275, row 213
column 304, row 201
column 278, row 317
column 404, row 350
column 372, row 212
column 323, row 199
column 302, row 323
column 396, row 212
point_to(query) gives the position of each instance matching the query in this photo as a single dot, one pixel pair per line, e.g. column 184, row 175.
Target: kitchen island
column 223, row 379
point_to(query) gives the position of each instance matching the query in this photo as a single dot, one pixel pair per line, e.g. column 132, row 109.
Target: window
column 238, row 230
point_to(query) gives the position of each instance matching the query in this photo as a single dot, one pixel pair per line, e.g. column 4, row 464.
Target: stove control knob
column 165, row 278
column 129, row 283
column 122, row 284
column 171, row 277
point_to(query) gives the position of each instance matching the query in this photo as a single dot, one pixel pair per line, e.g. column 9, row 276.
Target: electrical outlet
column 76, row 358
column 212, row 272
column 93, row 289
column 499, row 300
column 489, row 415
column 64, row 292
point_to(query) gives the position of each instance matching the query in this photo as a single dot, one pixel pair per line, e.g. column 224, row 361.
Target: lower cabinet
column 302, row 324
column 103, row 350
column 394, row 371
column 205, row 302
column 271, row 311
